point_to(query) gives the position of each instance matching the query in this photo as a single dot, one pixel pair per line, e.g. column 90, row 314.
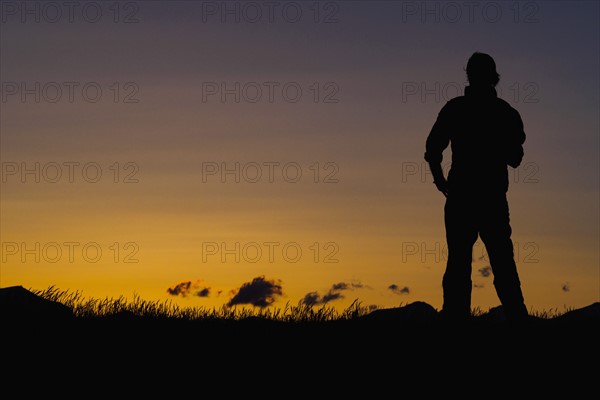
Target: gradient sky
column 348, row 93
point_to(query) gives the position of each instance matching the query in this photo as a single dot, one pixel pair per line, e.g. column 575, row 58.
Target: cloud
column 331, row 296
column 485, row 271
column 346, row 286
column 398, row 290
column 187, row 288
column 566, row 287
column 311, row 298
column 340, row 286
column 260, row 292
column 334, row 293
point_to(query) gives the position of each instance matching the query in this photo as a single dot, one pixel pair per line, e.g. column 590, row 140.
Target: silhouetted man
column 486, row 135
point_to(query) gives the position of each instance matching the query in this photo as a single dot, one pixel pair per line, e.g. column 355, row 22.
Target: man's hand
column 438, row 177
column 442, row 186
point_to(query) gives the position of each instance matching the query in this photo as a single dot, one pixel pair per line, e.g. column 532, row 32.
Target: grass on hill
column 94, row 307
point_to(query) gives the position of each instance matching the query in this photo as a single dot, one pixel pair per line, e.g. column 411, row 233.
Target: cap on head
column 481, row 70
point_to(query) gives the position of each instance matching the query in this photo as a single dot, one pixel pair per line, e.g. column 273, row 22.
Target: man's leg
column 461, row 234
column 495, row 233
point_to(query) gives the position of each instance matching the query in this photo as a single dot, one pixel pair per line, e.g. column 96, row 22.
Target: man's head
column 481, row 70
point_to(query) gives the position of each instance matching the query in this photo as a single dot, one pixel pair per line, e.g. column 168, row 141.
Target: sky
column 268, row 153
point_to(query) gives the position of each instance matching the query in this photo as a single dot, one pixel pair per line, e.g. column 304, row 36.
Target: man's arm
column 438, row 178
column 515, row 153
column 436, row 143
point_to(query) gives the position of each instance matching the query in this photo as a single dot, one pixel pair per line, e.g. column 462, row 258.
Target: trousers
column 467, row 216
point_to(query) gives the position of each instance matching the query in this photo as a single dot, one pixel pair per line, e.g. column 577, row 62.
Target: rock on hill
column 18, row 303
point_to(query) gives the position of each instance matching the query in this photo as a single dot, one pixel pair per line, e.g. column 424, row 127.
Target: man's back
column 485, row 133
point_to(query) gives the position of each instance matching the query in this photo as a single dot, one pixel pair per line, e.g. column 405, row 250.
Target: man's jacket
column 485, row 134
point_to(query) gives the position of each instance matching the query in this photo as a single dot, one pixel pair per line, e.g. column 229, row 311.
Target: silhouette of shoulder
column 506, row 105
column 455, row 106
column 461, row 101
